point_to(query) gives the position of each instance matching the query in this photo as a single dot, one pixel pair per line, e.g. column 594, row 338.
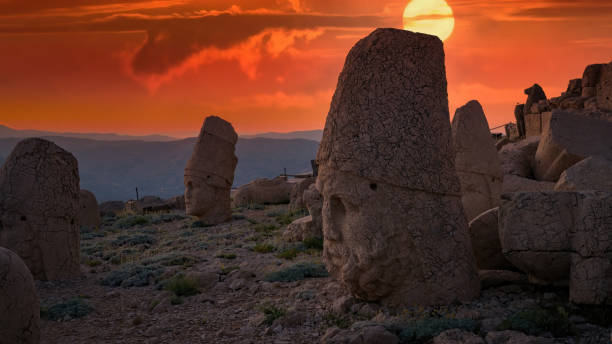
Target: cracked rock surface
column 89, row 213
column 19, row 305
column 393, row 223
column 476, row 160
column 39, row 208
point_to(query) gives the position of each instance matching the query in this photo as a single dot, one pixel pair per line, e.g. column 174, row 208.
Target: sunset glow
column 142, row 67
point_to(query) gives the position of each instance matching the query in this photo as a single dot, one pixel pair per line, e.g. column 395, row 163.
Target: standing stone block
column 593, row 173
column 476, row 160
column 297, row 193
column 571, row 138
column 209, row 173
column 19, row 305
column 604, row 88
column 393, row 223
column 39, row 208
column 533, row 125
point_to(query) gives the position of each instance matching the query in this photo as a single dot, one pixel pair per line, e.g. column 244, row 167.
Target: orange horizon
column 160, row 67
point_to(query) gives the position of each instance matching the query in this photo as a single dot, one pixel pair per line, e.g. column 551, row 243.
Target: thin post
column 138, row 199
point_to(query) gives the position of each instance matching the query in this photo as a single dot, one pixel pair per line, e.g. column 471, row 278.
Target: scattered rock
column 517, row 157
column 310, row 226
column 209, row 173
column 19, row 305
column 514, row 337
column 393, row 222
column 39, row 208
column 494, row 278
column 477, row 163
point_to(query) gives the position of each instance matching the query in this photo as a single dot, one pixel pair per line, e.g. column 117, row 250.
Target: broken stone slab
column 571, row 138
column 592, row 173
column 484, row 232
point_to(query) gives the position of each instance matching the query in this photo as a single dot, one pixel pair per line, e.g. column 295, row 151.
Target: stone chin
column 208, row 202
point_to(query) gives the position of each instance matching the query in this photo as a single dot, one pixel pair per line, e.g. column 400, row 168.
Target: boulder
column 591, row 75
column 570, row 139
column 39, row 208
column 484, row 232
column 209, row 173
column 512, row 132
column 519, row 114
column 593, row 173
column 514, row 183
column 19, row 305
column 574, row 88
column 514, row 337
column 89, row 214
column 517, row 158
column 555, row 236
column 264, row 191
column 476, row 160
column 297, row 194
column 393, row 224
column 374, row 334
column 604, row 88
column 310, row 226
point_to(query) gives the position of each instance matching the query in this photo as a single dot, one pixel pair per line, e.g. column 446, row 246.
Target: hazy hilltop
column 314, row 135
column 112, row 169
column 6, row 132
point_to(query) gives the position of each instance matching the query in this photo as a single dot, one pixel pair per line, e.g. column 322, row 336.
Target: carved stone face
column 199, row 196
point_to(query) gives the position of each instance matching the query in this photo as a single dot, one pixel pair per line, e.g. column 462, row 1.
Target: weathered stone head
column 393, row 224
column 209, row 173
column 39, row 208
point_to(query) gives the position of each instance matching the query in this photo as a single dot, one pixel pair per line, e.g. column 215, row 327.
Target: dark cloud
column 567, row 10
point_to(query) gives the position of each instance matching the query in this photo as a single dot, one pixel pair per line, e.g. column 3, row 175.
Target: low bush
column 181, row 285
column 313, row 243
column 133, row 240
column 73, row 309
column 227, row 256
column 298, row 272
column 133, row 276
column 130, row 221
column 272, row 313
column 264, row 248
column 540, row 320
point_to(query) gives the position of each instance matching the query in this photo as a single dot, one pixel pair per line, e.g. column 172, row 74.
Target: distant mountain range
column 6, row 132
column 314, row 135
column 112, row 169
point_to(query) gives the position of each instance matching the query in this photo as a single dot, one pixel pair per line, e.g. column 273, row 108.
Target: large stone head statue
column 39, row 208
column 393, row 224
column 209, row 173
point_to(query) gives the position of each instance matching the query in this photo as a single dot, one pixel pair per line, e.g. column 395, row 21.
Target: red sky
column 142, row 67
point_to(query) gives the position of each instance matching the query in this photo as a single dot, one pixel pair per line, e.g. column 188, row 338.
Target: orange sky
column 142, row 67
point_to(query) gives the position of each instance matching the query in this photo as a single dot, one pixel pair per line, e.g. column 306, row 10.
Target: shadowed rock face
column 209, row 173
column 39, row 208
column 19, row 305
column 393, row 224
column 477, row 162
column 89, row 213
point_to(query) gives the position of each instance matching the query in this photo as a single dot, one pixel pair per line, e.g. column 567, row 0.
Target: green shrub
column 171, row 259
column 298, row 272
column 255, row 206
column 264, row 228
column 74, row 308
column 340, row 321
column 182, row 285
column 133, row 276
column 89, row 236
column 238, row 217
column 228, row 269
column 289, row 254
column 264, row 248
column 200, row 224
column 227, row 256
column 165, row 218
column 424, row 329
column 539, row 320
column 251, row 221
column 132, row 221
column 284, row 219
column 133, row 240
column 272, row 313
column 314, row 243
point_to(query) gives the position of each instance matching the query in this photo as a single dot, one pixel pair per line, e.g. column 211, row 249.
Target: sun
column 434, row 17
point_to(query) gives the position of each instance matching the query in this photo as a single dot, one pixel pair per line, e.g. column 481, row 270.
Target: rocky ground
column 167, row 278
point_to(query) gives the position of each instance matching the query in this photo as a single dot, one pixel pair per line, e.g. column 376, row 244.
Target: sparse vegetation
column 289, row 254
column 264, row 228
column 228, row 269
column 134, row 240
column 424, row 329
column 540, row 320
column 227, row 256
column 314, row 243
column 130, row 221
column 182, row 285
column 264, row 248
column 272, row 313
column 340, row 321
column 133, row 276
column 200, row 224
column 71, row 309
column 298, row 272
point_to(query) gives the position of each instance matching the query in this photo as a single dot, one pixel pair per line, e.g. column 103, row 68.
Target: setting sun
column 434, row 17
